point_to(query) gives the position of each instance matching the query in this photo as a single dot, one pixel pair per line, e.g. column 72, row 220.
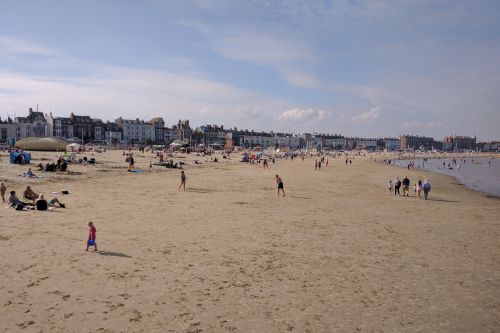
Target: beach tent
column 180, row 143
column 20, row 157
column 73, row 147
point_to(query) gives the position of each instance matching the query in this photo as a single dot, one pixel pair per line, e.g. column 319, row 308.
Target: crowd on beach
column 418, row 187
column 31, row 200
column 37, row 201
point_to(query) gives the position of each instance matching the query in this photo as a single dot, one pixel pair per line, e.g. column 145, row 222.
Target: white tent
column 73, row 147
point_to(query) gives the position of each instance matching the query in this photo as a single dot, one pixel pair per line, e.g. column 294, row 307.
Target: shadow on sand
column 297, row 197
column 441, row 200
column 113, row 254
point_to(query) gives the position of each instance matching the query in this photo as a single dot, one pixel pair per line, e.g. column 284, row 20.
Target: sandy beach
column 337, row 254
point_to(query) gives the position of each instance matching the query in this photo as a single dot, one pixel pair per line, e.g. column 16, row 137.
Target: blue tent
column 20, row 157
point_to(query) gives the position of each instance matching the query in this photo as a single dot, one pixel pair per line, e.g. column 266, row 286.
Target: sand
column 337, row 254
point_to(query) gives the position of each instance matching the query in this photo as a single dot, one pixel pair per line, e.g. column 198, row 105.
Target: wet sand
column 338, row 254
column 478, row 173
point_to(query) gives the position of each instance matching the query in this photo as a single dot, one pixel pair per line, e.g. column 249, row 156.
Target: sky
column 356, row 68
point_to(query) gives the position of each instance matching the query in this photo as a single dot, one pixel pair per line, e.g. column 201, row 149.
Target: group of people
column 418, row 187
column 31, row 200
column 317, row 164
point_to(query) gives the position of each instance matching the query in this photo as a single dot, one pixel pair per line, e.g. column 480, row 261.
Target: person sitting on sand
column 30, row 194
column 3, row 189
column 30, row 173
column 42, row 204
column 14, row 201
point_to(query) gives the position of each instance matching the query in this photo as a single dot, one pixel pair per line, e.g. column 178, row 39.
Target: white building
column 59, row 127
column 392, row 143
column 35, row 123
column 366, row 143
column 136, row 131
column 169, row 134
column 334, row 141
column 286, row 140
column 11, row 131
column 256, row 139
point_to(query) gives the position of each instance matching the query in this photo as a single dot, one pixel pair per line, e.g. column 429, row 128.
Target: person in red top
column 91, row 240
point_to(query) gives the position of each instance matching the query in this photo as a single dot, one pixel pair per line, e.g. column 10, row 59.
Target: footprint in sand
column 26, row 324
column 137, row 316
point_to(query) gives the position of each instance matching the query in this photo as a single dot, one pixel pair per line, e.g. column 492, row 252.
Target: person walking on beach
column 427, row 188
column 397, row 185
column 390, row 187
column 419, row 188
column 406, row 187
column 183, row 181
column 280, row 185
column 3, row 189
column 91, row 238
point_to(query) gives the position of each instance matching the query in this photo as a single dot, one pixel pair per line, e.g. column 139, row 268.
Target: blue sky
column 358, row 68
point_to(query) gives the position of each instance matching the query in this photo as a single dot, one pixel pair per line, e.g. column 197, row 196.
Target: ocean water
column 481, row 174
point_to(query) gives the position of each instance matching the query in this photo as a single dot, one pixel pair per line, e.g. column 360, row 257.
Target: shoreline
column 463, row 181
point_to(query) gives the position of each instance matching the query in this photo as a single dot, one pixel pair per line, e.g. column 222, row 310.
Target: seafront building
column 85, row 129
column 35, row 123
column 136, row 131
column 457, row 143
column 417, row 142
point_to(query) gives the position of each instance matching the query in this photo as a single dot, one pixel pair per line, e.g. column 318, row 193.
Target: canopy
column 73, row 147
column 179, row 143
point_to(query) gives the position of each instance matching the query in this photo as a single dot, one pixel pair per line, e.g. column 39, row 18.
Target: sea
column 481, row 174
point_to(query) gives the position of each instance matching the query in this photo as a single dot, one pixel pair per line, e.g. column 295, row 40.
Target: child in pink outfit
column 91, row 239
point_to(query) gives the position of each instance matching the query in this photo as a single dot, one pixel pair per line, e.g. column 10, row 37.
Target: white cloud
column 373, row 114
column 305, row 115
